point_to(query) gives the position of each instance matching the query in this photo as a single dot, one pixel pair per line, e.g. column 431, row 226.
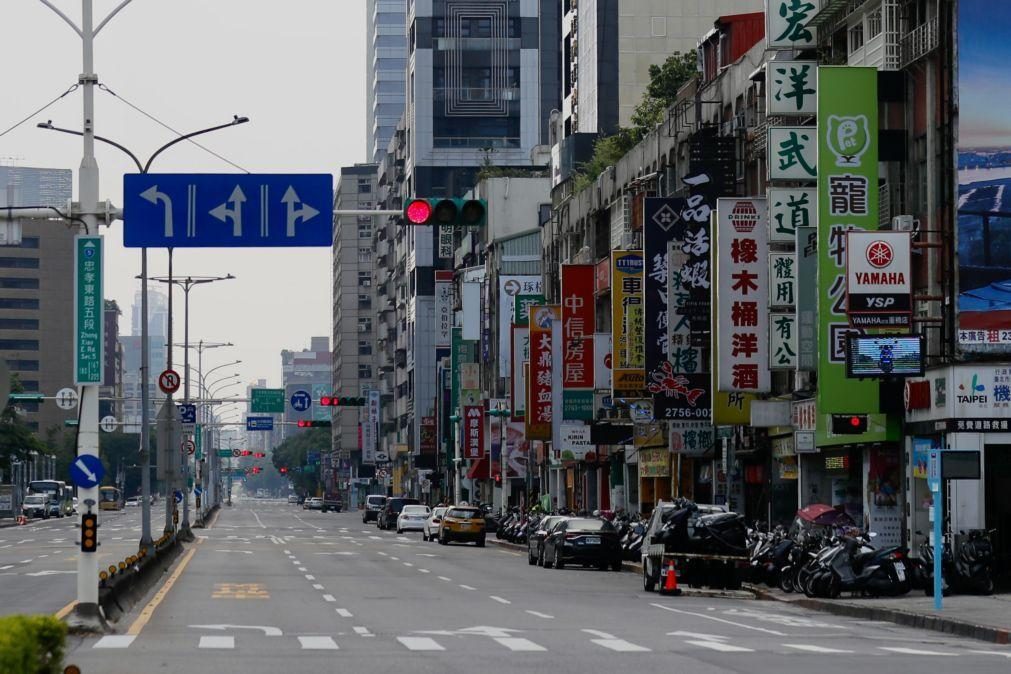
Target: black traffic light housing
column 447, row 212
column 343, row 401
column 849, row 424
column 89, row 532
column 308, row 423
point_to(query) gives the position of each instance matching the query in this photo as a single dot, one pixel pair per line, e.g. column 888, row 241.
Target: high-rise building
column 157, row 339
column 36, row 293
column 355, row 311
column 386, row 71
column 111, row 392
column 157, row 314
column 308, row 370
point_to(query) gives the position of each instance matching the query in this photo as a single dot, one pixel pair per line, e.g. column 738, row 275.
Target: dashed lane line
column 499, row 599
column 541, row 615
column 420, row 644
column 329, row 597
column 344, row 613
column 468, row 587
column 318, row 644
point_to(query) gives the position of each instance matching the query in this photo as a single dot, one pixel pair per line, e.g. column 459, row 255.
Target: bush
column 32, row 644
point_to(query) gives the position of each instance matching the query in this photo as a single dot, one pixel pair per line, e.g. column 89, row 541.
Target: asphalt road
column 272, row 588
column 38, row 561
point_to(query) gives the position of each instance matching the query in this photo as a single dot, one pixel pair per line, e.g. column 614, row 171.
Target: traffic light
column 247, row 452
column 307, row 423
column 259, row 455
column 342, row 401
column 499, row 412
column 498, row 479
column 283, row 470
column 849, row 424
column 89, row 532
column 449, row 212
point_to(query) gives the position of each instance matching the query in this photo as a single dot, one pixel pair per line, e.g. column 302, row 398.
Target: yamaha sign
column 878, row 283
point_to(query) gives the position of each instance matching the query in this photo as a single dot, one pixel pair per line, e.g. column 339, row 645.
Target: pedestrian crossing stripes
column 318, row 643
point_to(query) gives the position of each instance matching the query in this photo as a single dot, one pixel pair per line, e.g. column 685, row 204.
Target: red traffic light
column 325, row 401
column 854, row 421
column 418, row 211
column 283, row 470
column 302, row 423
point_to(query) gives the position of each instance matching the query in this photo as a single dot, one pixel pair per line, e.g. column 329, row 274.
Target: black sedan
column 535, row 541
column 583, row 541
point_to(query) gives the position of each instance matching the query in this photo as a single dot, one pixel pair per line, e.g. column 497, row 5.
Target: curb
column 636, row 568
column 923, row 621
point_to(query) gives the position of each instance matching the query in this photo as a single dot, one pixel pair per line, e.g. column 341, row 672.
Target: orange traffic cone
column 22, row 520
column 670, row 583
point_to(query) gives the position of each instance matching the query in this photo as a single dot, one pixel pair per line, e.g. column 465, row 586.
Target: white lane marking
column 329, row 597
column 27, row 561
column 420, row 644
column 115, row 641
column 541, row 615
column 309, row 576
column 424, row 571
column 1000, row 653
column 719, row 646
column 468, row 587
column 302, row 569
column 613, row 643
column 383, row 553
column 448, row 580
column 363, row 631
column 518, row 644
column 4, row 568
column 287, row 552
column 395, row 559
column 343, row 613
column 913, row 651
column 408, row 564
column 809, row 648
column 216, row 642
column 720, row 620
column 259, row 521
column 376, row 538
column 318, row 644
column 499, row 599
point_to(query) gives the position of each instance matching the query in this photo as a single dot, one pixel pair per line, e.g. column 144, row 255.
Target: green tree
column 16, row 438
column 292, row 453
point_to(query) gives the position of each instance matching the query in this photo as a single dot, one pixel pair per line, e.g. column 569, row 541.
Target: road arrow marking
column 224, row 213
column 154, row 196
column 83, row 467
column 305, row 213
column 267, row 631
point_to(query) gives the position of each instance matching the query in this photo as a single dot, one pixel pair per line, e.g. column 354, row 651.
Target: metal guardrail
column 919, row 42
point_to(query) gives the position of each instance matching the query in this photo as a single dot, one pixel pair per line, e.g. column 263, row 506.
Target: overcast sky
column 296, row 68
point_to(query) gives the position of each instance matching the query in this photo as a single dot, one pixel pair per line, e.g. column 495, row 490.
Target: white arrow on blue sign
column 226, row 210
column 301, row 401
column 87, row 471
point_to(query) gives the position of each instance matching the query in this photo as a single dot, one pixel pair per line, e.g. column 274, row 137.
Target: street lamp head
column 239, row 120
column 48, row 124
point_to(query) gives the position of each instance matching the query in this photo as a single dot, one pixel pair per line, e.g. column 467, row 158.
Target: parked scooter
column 854, row 566
column 968, row 571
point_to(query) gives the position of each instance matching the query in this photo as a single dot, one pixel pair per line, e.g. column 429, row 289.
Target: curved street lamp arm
column 63, row 16
column 238, row 120
column 111, row 14
column 50, row 127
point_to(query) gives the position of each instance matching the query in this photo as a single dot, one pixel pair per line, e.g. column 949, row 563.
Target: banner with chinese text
column 626, row 323
column 578, row 323
column 539, row 382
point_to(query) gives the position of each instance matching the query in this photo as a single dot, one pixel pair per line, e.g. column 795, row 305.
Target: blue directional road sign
column 259, row 423
column 187, row 413
column 198, row 210
column 178, row 495
column 301, row 400
column 87, row 471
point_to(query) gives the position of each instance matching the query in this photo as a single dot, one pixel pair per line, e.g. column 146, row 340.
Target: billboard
column 540, row 380
column 578, row 323
column 509, row 289
column 626, row 301
column 984, row 172
column 879, row 288
column 847, row 166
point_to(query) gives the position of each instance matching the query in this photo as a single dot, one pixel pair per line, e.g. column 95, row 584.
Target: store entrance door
column 997, row 473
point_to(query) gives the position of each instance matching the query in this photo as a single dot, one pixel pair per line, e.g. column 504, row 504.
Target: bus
column 58, row 491
column 110, row 498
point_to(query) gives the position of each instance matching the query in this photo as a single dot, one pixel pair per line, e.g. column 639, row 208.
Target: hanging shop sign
column 879, row 288
column 578, row 323
column 626, row 322
column 790, row 209
column 786, row 23
column 792, row 88
column 539, row 411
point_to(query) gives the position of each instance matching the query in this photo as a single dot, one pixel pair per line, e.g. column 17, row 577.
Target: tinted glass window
column 377, row 500
column 464, row 513
column 589, row 525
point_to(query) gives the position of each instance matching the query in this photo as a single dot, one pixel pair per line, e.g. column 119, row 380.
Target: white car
column 413, row 518
column 133, row 502
column 431, row 529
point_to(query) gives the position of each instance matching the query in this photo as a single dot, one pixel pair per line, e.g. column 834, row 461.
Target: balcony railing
column 919, row 42
column 477, row 94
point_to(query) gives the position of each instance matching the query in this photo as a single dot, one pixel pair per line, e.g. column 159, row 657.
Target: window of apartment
column 19, row 303
column 19, row 324
column 30, row 385
column 364, row 187
column 19, row 344
column 364, row 324
column 364, row 371
column 364, row 347
column 23, row 365
column 29, row 242
column 364, row 301
column 19, row 262
column 856, row 37
column 365, row 229
column 874, row 24
column 365, row 255
column 364, row 279
column 19, row 283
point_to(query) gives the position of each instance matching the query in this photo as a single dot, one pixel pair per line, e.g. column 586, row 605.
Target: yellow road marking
column 240, row 591
column 62, row 613
column 148, row 611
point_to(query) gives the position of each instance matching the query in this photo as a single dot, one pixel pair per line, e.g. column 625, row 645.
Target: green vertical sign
column 88, row 310
column 198, row 441
column 847, row 199
column 521, row 308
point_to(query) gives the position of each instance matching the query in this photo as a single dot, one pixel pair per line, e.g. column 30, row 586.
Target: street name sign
column 259, row 423
column 267, row 401
column 89, row 326
column 224, row 453
column 220, row 210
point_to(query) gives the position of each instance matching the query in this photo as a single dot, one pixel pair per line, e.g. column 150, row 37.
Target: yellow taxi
column 462, row 523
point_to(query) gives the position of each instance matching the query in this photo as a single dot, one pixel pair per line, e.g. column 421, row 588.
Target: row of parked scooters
column 517, row 527
column 827, row 562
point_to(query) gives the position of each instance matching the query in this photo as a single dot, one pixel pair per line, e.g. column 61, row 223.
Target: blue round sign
column 87, row 471
column 178, row 495
column 301, row 401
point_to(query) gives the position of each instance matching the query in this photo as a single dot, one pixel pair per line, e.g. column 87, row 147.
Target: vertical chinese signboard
column 807, row 298
column 790, row 208
column 743, row 288
column 626, row 322
column 539, row 381
column 443, row 308
column 578, row 323
column 509, row 289
column 473, row 431
column 847, row 167
column 793, row 89
column 783, row 320
column 89, row 350
column 786, row 23
column 518, row 380
column 793, row 153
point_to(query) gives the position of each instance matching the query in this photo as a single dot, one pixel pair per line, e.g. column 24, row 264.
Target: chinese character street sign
column 89, row 324
column 793, row 153
column 267, row 401
column 783, row 341
column 473, row 432
column 794, row 88
column 539, row 381
column 578, row 324
column 789, row 209
column 786, row 23
column 626, row 322
column 782, row 280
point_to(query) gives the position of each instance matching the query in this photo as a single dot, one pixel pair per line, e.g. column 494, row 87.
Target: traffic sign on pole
column 86, row 471
column 259, row 423
column 301, row 400
column 189, row 447
column 168, row 381
column 267, row 401
column 108, row 423
column 187, row 413
column 89, row 340
column 66, row 398
column 236, row 453
column 222, row 210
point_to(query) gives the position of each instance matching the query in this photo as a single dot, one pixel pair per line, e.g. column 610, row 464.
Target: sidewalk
column 976, row 617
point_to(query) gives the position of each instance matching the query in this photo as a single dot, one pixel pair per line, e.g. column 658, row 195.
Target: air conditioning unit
column 904, row 223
